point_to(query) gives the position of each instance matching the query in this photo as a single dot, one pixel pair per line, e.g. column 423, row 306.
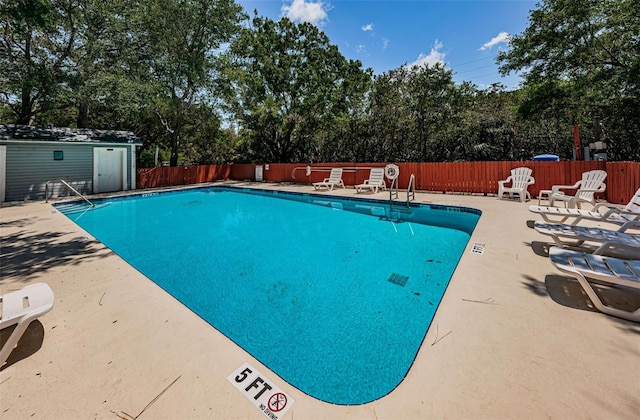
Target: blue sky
column 464, row 35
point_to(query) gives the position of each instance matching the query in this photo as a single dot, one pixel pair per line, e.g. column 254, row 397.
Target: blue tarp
column 547, row 158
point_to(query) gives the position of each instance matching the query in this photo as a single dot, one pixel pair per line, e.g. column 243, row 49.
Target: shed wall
column 30, row 165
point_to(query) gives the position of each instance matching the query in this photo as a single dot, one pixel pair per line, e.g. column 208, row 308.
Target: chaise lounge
column 601, row 269
column 602, row 212
column 375, row 181
column 607, row 242
column 21, row 307
column 335, row 178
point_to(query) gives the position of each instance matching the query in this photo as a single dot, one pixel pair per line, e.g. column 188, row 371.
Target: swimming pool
column 336, row 298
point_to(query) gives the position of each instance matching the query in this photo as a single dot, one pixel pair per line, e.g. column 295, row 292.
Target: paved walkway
column 512, row 337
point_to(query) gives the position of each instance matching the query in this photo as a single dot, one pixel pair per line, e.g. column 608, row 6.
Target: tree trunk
column 25, row 106
column 83, row 114
column 173, row 160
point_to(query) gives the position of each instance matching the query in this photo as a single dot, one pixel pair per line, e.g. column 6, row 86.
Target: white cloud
column 306, row 11
column 434, row 57
column 361, row 48
column 385, row 43
column 368, row 27
column 502, row 37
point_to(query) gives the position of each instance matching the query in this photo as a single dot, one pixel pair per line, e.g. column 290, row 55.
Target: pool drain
column 398, row 279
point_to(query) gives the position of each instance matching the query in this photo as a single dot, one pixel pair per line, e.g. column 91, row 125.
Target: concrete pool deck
column 512, row 338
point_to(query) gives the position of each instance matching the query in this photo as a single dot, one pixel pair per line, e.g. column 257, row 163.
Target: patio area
column 512, row 338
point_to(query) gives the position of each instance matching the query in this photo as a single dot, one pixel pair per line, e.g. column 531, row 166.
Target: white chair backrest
column 591, row 180
column 336, row 175
column 376, row 176
column 521, row 177
column 634, row 204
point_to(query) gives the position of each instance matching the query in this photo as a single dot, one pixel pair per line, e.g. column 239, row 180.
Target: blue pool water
column 335, row 302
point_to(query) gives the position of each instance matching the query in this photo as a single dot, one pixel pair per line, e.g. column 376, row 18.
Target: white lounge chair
column 602, row 212
column 520, row 179
column 335, row 178
column 375, row 181
column 21, row 307
column 601, row 269
column 607, row 241
column 592, row 182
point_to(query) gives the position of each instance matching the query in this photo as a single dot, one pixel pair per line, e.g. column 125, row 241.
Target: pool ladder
column 46, row 191
column 411, row 190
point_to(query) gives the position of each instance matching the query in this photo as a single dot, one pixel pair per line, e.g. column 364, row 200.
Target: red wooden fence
column 623, row 178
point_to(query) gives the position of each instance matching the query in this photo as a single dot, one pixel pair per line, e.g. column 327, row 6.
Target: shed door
column 109, row 169
column 3, row 171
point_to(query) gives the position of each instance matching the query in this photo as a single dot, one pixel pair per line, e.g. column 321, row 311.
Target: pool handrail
column 46, row 191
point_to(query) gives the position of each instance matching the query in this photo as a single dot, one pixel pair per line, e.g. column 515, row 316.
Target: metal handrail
column 411, row 192
column 46, row 191
column 394, row 183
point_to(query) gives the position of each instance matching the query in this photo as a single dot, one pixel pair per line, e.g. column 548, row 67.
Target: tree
column 37, row 37
column 104, row 75
column 180, row 42
column 390, row 118
column 594, row 45
column 284, row 83
column 341, row 140
column 431, row 93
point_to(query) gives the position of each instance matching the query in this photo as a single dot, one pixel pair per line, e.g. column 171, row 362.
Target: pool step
column 72, row 208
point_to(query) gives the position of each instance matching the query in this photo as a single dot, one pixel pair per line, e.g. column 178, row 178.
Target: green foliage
column 179, row 47
column 285, row 83
column 582, row 62
column 36, row 38
column 191, row 82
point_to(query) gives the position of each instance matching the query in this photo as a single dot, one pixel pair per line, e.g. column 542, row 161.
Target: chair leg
column 595, row 299
column 11, row 343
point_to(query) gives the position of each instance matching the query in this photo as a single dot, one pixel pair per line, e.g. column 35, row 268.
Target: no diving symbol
column 277, row 402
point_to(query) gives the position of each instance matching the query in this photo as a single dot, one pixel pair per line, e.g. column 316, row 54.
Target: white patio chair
column 21, row 307
column 335, row 178
column 622, row 242
column 592, row 182
column 375, row 181
column 519, row 181
column 587, row 268
column 602, row 212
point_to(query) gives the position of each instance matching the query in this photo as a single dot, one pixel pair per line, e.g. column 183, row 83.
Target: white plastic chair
column 375, row 181
column 600, row 269
column 21, row 307
column 622, row 242
column 520, row 179
column 602, row 212
column 335, row 178
column 592, row 182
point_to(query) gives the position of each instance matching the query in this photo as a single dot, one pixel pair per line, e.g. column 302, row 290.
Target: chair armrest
column 631, row 252
column 557, row 188
column 634, row 224
column 607, row 206
column 618, row 210
column 600, row 189
column 505, row 181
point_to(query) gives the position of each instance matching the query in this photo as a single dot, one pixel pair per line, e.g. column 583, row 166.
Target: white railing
column 46, row 191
